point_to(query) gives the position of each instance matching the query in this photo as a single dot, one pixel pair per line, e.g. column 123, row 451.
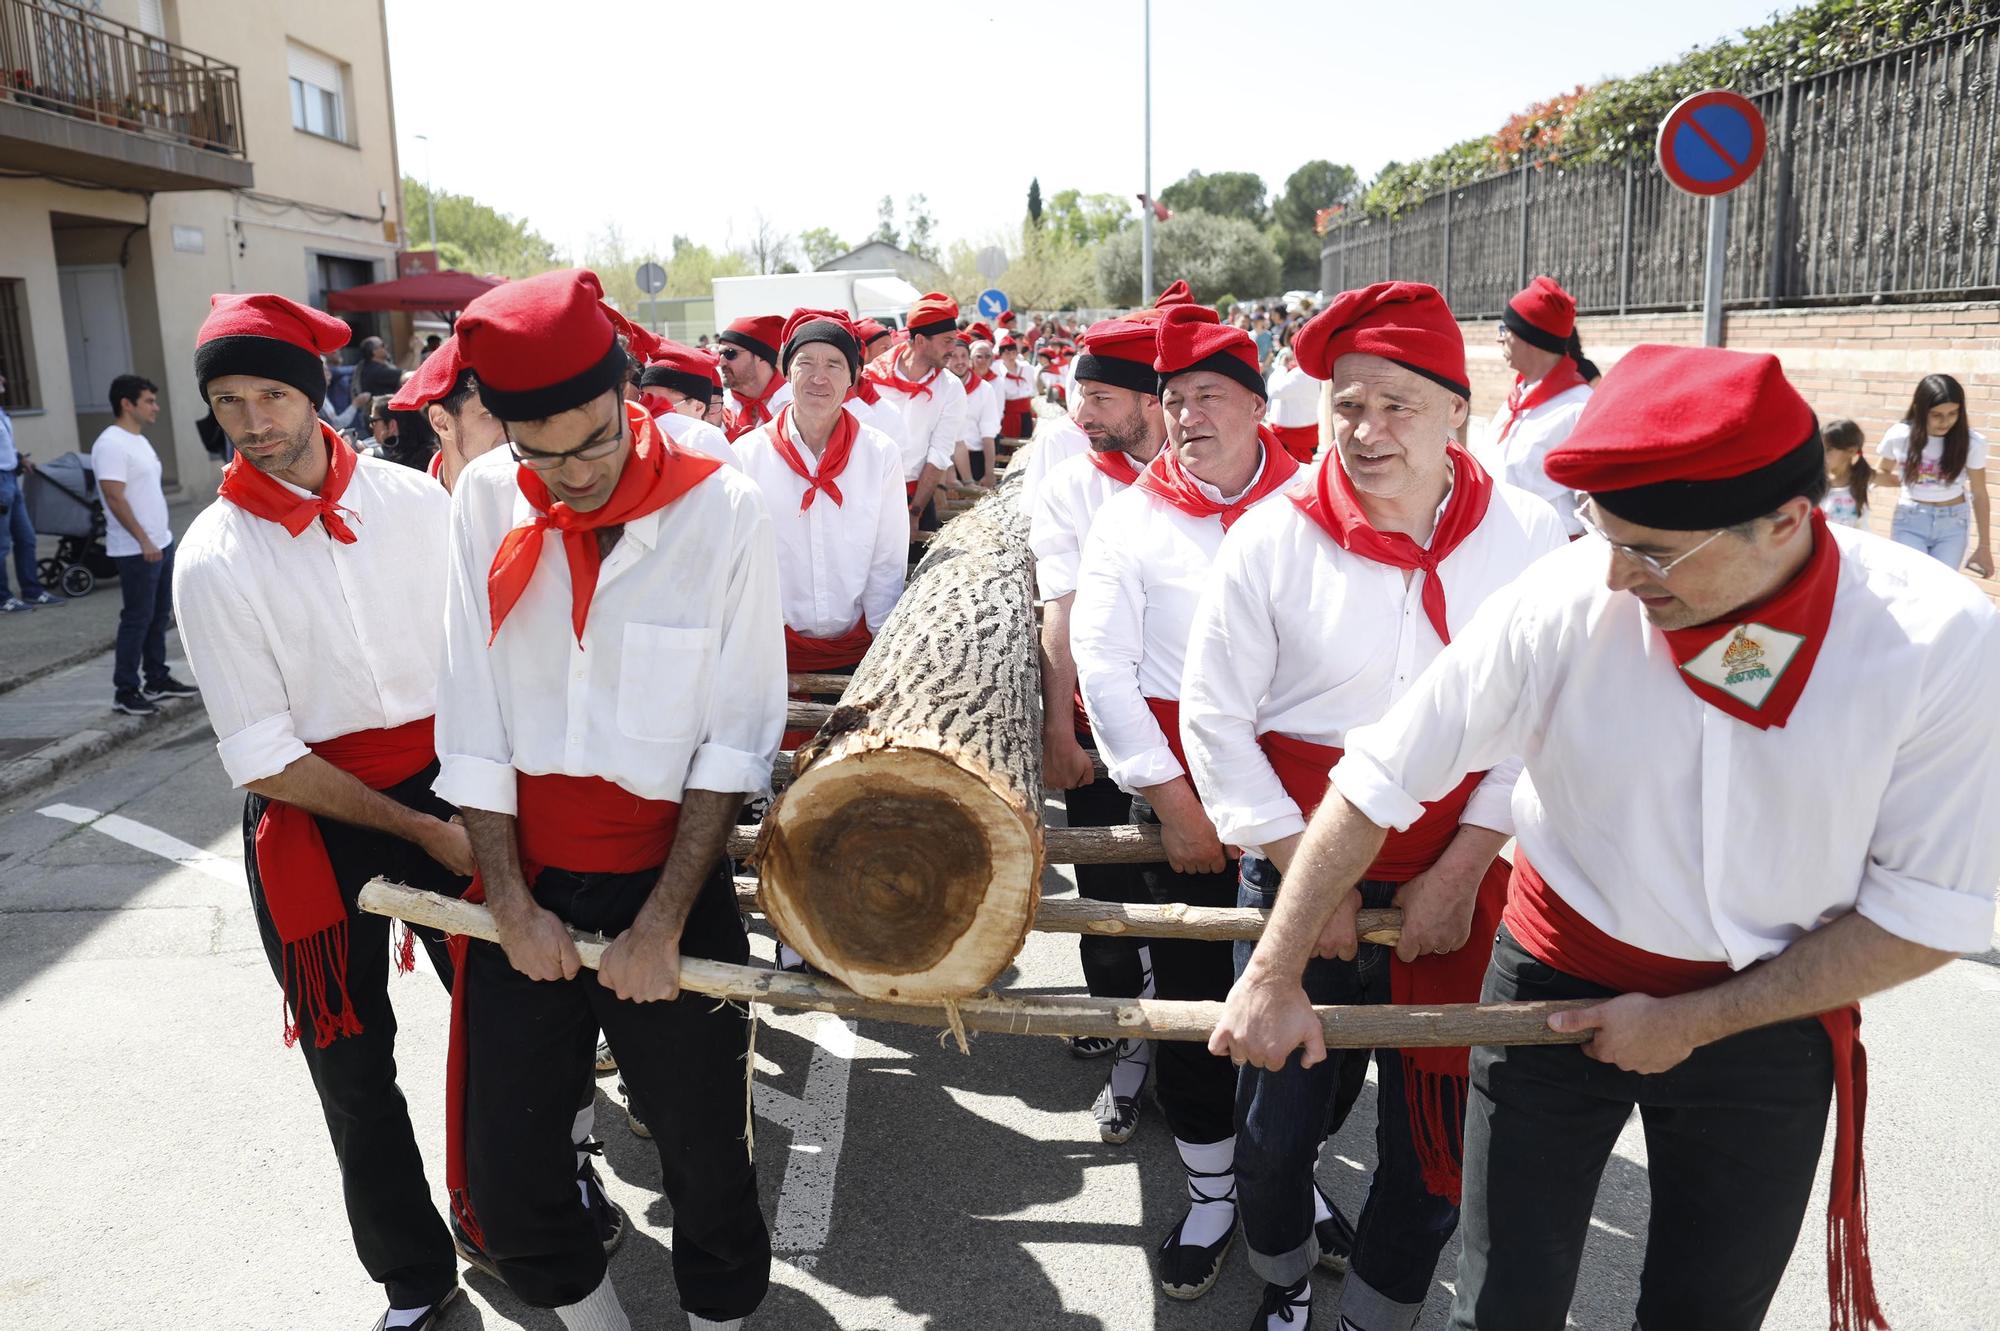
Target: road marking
column 151, row 839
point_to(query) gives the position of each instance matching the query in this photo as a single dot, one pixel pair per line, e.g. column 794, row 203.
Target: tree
column 1213, row 254
column 1086, row 219
column 1237, row 194
column 922, row 226
column 819, row 244
column 885, row 223
column 1316, row 185
column 768, row 247
column 693, row 268
column 1035, row 201
column 476, row 238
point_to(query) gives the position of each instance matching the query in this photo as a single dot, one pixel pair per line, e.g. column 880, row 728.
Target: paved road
column 165, row 1165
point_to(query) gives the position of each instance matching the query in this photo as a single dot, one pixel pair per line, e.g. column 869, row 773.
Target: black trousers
column 1197, row 1089
column 1111, row 966
column 1732, row 1140
column 529, row 1046
column 398, row 1234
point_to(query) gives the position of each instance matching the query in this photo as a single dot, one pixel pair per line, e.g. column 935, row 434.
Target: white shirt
column 697, row 436
column 1016, row 385
column 1066, row 502
column 679, row 681
column 884, row 418
column 1521, row 459
column 1294, row 398
column 1057, row 439
column 120, row 455
column 1930, row 487
column 1144, row 566
column 772, row 404
column 836, row 562
column 982, row 414
column 932, row 422
column 1676, row 828
column 1295, row 635
column 298, row 639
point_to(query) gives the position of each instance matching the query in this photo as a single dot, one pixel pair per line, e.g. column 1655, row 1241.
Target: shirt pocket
column 664, row 678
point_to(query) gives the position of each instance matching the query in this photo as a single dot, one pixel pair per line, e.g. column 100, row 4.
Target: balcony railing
column 57, row 57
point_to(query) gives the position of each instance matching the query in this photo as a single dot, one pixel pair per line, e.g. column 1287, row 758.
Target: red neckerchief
column 1165, row 477
column 864, row 389
column 1801, row 608
column 754, row 411
column 1331, row 503
column 656, row 474
column 1116, row 463
column 882, row 370
column 261, row 497
column 1016, row 379
column 832, row 459
column 1556, row 382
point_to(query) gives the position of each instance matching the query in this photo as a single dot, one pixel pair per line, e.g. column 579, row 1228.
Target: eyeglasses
column 593, row 450
column 1502, row 333
column 729, row 353
column 1650, row 563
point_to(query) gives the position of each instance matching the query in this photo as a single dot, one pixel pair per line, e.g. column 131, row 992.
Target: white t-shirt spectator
column 1930, row 487
column 120, row 455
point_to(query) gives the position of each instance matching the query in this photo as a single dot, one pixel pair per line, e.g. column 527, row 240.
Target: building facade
column 156, row 151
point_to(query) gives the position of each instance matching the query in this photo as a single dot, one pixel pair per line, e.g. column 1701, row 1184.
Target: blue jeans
column 142, row 624
column 20, row 533
column 1939, row 530
column 1281, row 1118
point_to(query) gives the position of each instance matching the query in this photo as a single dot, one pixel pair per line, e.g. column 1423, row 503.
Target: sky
column 673, row 117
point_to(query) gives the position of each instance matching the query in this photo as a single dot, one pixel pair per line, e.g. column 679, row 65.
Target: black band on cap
column 1703, row 505
column 764, row 350
column 1533, row 336
column 681, row 381
column 1222, row 363
column 933, row 328
column 264, row 357
column 823, row 330
column 1442, row 381
column 1132, row 374
column 536, row 404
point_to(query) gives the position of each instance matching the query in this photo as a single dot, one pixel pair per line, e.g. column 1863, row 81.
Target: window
column 318, row 104
column 15, row 362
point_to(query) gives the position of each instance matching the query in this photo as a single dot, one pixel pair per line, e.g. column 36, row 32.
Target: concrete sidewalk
column 64, row 719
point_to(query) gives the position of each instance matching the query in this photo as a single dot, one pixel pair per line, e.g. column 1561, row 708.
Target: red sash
column 805, row 656
column 299, row 888
column 1301, row 441
column 1167, row 478
column 1555, row 383
column 584, row 824
column 656, row 474
column 1167, row 711
column 1017, row 418
column 1554, row 933
column 260, row 496
column 1436, row 1080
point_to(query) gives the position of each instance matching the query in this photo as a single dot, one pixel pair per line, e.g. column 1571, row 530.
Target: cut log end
column 886, row 881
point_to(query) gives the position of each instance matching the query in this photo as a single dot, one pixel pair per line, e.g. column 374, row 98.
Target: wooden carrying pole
column 905, row 857
column 1361, row 1027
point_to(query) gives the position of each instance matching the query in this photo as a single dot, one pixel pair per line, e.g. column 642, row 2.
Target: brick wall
column 1860, row 362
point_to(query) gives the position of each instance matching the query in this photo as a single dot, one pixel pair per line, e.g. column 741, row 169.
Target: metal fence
column 1882, row 179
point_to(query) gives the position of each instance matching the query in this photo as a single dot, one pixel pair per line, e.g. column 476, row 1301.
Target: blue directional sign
column 992, row 303
column 1711, row 142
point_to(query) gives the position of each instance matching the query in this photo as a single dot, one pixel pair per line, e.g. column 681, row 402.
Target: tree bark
column 905, row 857
column 1130, row 844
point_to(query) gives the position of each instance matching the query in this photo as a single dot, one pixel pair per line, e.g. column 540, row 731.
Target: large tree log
column 906, row 855
column 1131, row 844
column 1375, row 1026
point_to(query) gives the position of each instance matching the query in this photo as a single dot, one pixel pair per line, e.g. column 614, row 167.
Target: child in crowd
column 1847, row 473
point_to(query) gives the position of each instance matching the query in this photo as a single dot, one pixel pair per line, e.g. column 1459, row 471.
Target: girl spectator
column 1847, row 473
column 1938, row 476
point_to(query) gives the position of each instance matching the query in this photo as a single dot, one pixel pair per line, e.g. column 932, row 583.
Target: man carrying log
column 1016, row 381
column 309, row 603
column 910, row 379
column 1118, row 410
column 1680, row 684
column 615, row 686
column 1318, row 615
column 1149, row 552
column 748, row 350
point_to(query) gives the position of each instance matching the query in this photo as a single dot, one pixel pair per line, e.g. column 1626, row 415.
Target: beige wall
column 312, row 197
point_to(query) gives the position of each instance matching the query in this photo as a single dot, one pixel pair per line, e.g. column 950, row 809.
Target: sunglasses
column 729, row 353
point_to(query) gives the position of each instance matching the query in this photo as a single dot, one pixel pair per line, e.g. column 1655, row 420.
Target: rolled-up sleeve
column 1935, row 852
column 1106, row 635
column 746, row 713
column 475, row 751
column 1232, row 659
column 230, row 655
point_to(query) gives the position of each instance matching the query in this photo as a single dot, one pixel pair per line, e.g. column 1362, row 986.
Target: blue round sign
column 1711, row 143
column 992, row 303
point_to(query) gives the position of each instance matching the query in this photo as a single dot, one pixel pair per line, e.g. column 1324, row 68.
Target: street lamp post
column 1146, row 218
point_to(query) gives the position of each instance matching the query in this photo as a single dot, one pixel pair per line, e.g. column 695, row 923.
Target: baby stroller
column 62, row 501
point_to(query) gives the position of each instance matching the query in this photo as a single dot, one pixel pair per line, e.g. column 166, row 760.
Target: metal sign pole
column 1146, row 219
column 1718, row 255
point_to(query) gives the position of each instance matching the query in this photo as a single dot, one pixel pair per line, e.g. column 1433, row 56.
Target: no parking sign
column 1711, row 143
